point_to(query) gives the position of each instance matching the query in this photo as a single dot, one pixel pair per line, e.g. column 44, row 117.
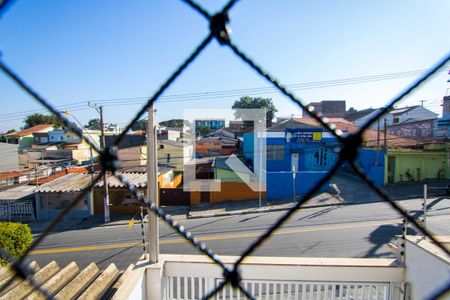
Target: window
column 396, row 120
column 321, row 157
column 275, row 152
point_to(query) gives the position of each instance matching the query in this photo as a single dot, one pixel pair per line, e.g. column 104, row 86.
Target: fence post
column 424, row 206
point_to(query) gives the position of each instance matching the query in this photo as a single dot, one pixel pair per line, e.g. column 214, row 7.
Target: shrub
column 14, row 238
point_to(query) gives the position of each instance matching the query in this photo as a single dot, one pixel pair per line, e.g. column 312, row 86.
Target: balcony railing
column 419, row 274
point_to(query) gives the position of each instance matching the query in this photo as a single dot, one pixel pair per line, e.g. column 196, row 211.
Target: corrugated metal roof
column 76, row 182
column 137, row 179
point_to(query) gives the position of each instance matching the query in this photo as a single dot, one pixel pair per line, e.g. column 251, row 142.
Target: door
column 391, row 169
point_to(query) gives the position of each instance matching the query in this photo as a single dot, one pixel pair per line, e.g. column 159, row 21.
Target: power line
column 222, row 94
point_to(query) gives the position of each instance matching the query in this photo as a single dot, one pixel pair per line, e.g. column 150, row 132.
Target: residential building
column 128, row 140
column 24, row 138
column 57, row 194
column 170, row 134
column 211, row 124
column 328, row 108
column 16, row 203
column 360, row 117
column 298, row 155
column 443, row 124
column 236, row 127
column 214, row 145
column 9, row 160
column 415, row 165
column 174, row 154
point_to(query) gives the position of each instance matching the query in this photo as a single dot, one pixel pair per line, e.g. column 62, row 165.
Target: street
column 339, row 231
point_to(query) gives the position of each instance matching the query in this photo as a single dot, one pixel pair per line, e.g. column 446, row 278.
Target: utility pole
column 99, row 109
column 152, row 188
column 105, row 176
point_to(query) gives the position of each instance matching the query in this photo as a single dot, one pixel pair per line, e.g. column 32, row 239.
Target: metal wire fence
column 218, row 30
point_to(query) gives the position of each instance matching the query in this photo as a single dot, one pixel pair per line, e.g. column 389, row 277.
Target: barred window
column 275, row 152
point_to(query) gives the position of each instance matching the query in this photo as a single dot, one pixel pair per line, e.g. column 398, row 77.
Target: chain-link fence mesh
column 219, row 30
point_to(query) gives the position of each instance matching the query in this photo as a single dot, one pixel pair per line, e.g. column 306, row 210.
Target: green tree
column 93, row 124
column 140, row 125
column 174, row 123
column 15, row 238
column 36, row 119
column 253, row 103
column 10, row 131
column 204, row 130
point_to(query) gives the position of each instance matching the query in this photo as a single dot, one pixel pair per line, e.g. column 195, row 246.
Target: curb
column 246, row 212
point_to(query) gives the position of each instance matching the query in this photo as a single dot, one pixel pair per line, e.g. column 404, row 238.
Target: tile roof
column 30, row 130
column 69, row 282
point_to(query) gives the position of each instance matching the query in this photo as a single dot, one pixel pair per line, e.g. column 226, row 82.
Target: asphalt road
column 345, row 231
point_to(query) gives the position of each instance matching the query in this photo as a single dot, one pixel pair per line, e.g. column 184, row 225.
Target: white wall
column 427, row 267
column 9, row 157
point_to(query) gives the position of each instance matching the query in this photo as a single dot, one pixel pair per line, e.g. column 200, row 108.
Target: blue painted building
column 211, row 124
column 298, row 155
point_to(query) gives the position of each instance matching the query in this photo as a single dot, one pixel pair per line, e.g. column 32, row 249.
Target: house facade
column 298, row 155
column 25, row 138
column 409, row 165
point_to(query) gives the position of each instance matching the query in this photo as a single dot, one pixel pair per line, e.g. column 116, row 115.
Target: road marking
column 229, row 236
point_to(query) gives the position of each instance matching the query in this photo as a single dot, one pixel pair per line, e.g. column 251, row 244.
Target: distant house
column 360, row 117
column 24, row 138
column 170, row 134
column 410, row 121
column 172, row 153
column 416, row 165
column 211, row 124
column 328, row 108
column 134, row 139
column 214, row 145
column 54, row 196
column 443, row 124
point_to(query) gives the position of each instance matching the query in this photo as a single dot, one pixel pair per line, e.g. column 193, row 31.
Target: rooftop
column 30, row 130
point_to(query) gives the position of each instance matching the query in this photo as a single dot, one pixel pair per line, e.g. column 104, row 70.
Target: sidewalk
column 178, row 212
column 344, row 189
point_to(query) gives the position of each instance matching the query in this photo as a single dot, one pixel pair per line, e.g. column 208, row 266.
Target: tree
column 93, row 124
column 204, row 130
column 254, row 103
column 36, row 119
column 140, row 125
column 174, row 123
column 10, row 131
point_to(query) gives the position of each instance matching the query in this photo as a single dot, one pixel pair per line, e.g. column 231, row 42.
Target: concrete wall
column 413, row 166
column 413, row 129
column 235, row 191
column 373, row 166
column 49, row 205
column 280, row 184
column 9, row 159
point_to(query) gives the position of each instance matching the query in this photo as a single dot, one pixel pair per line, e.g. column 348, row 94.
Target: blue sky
column 77, row 51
